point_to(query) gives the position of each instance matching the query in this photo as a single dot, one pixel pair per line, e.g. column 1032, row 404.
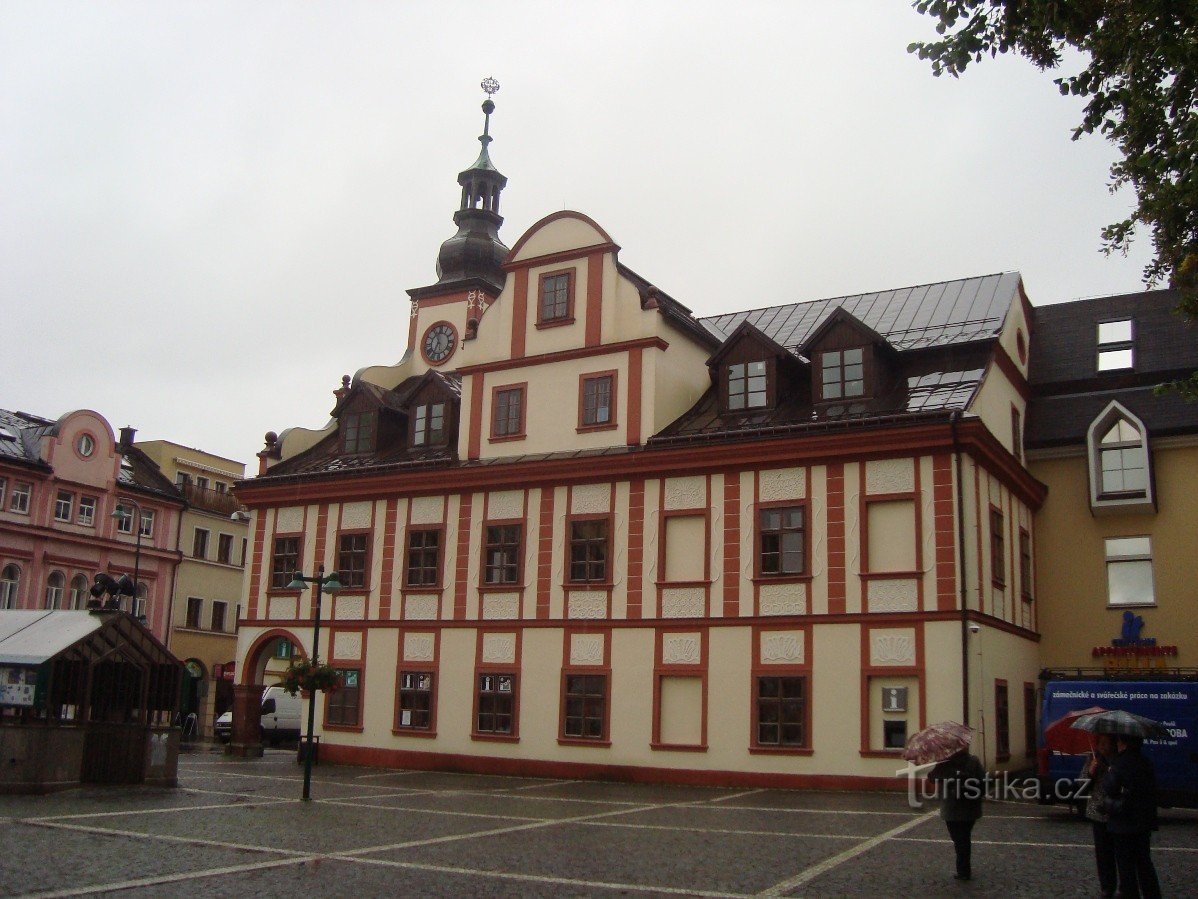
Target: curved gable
column 560, row 232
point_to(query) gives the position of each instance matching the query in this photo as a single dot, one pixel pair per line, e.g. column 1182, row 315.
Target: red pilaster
column 545, row 553
column 388, row 576
column 257, row 563
column 945, row 531
column 636, row 545
column 836, row 547
column 731, row 544
column 462, row 566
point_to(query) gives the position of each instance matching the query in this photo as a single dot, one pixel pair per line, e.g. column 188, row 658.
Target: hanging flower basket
column 307, row 678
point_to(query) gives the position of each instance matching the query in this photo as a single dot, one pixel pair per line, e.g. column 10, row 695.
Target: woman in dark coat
column 961, row 785
column 1104, row 848
column 1130, row 787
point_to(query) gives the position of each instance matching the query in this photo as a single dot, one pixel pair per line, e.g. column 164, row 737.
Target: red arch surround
column 553, row 217
column 253, row 658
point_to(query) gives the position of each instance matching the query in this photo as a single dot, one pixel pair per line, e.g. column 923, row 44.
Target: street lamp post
column 323, row 582
column 119, row 513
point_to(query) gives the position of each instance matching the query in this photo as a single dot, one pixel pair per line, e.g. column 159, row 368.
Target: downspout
column 170, row 603
column 956, row 417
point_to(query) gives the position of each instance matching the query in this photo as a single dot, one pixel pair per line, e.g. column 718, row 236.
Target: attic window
column 1115, row 343
column 428, row 424
column 1119, row 462
column 747, row 385
column 842, row 374
column 359, row 432
column 7, row 433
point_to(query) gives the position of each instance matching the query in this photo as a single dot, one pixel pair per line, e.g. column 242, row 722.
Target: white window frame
column 55, row 592
column 124, row 520
column 1101, row 503
column 146, row 523
column 9, row 586
column 79, row 595
column 90, row 503
column 207, row 542
column 1111, row 350
column 1120, row 554
column 64, row 499
column 22, row 497
column 141, row 601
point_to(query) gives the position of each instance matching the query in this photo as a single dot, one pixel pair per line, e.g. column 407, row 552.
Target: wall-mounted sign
column 17, row 686
column 1132, row 650
column 894, row 699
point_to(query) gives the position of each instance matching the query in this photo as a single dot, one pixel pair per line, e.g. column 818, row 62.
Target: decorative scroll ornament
column 490, row 86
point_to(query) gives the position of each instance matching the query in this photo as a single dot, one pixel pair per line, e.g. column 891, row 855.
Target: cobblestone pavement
column 238, row 828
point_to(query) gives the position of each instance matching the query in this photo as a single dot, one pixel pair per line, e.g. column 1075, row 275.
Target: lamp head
column 124, row 586
column 297, row 581
column 332, row 582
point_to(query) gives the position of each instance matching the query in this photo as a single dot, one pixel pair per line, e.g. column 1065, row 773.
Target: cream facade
column 597, row 563
column 208, row 585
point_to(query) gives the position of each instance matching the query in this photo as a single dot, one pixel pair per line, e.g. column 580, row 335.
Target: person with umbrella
column 1130, row 804
column 960, row 783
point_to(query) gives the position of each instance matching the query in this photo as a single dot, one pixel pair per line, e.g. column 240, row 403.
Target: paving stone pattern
column 238, row 828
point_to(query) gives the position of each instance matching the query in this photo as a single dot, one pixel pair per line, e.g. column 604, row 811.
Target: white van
column 280, row 718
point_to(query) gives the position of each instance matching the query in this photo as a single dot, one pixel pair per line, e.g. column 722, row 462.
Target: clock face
column 440, row 340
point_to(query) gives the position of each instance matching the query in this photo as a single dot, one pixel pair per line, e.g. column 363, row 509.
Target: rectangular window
column 747, row 385
column 894, row 734
column 685, row 548
column 597, row 401
column 124, row 519
column 496, row 703
column 195, row 611
column 87, row 510
column 199, row 544
column 284, row 562
column 1002, row 721
column 64, row 505
column 3, row 491
column 556, row 295
column 219, row 610
column 586, row 707
column 21, row 492
column 781, row 541
column 428, row 427
column 842, row 374
column 998, row 550
column 424, row 558
column 351, row 560
column 892, row 544
column 220, row 486
column 1029, row 721
column 415, row 700
column 781, row 711
column 343, row 706
column 1025, row 565
column 147, row 523
column 224, row 549
column 507, row 419
column 182, row 478
column 244, row 543
column 588, row 551
column 502, row 560
column 358, row 428
column 1129, row 571
column 1116, row 342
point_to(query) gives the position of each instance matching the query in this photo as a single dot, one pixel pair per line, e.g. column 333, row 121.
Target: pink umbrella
column 937, row 742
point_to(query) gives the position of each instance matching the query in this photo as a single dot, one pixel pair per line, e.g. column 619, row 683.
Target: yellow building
column 582, row 532
column 1115, row 537
column 208, row 585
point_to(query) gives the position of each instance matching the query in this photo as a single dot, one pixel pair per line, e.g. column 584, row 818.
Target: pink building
column 60, row 483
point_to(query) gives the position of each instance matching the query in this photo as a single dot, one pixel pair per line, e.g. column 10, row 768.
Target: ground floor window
column 415, row 700
column 1002, row 721
column 1029, row 720
column 496, row 703
column 344, row 705
column 586, row 707
column 781, row 711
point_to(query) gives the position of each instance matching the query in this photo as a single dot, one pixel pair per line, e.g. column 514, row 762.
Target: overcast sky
column 211, row 211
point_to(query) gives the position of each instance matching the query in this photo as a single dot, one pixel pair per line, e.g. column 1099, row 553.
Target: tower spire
column 476, row 253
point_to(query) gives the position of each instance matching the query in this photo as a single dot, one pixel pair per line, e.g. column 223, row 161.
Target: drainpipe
column 956, row 417
column 170, row 603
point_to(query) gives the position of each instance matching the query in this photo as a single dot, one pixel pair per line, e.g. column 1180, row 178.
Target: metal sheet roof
column 32, row 637
column 928, row 315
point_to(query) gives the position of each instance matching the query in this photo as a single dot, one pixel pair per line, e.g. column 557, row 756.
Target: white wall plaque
column 890, row 476
column 783, row 648
column 282, row 607
column 289, row 520
column 501, row 606
column 590, row 499
column 427, row 510
column 417, row 647
column 505, row 504
column 347, row 645
column 686, row 493
column 782, row 484
column 350, row 608
column 681, row 649
column 893, row 596
column 782, row 599
column 499, row 649
column 420, row 607
column 892, row 646
column 355, row 515
column 587, row 604
column 586, row 649
column 682, row 602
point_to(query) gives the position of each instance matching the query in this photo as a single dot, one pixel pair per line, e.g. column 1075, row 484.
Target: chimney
column 127, row 435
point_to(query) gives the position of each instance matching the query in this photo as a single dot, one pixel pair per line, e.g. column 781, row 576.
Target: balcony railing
column 210, row 500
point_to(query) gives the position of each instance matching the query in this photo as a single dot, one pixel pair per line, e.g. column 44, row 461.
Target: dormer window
column 747, row 385
column 428, row 424
column 1120, row 465
column 1115, row 345
column 842, row 374
column 358, row 428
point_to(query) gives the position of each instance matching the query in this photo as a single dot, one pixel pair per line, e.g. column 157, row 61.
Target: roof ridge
column 848, row 296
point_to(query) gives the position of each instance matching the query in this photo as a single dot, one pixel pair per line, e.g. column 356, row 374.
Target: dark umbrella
column 1121, row 724
column 1062, row 736
column 937, row 742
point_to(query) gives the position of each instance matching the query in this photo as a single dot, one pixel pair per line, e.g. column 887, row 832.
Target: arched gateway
column 247, row 693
